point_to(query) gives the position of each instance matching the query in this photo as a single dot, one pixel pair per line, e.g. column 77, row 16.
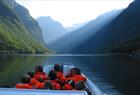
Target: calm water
column 114, row 75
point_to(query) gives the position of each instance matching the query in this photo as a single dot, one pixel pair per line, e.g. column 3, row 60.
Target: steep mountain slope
column 52, row 30
column 24, row 16
column 121, row 35
column 14, row 35
column 77, row 37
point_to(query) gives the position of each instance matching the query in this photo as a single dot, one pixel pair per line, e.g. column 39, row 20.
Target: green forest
column 14, row 35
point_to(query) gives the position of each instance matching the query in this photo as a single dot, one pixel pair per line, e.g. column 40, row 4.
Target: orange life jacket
column 67, row 87
column 33, row 81
column 39, row 85
column 77, row 78
column 56, row 85
column 59, row 74
column 23, row 86
column 36, row 84
column 54, row 81
column 61, row 77
column 39, row 75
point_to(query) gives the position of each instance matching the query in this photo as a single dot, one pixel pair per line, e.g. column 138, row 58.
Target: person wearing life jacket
column 39, row 73
column 25, row 83
column 53, row 78
column 38, row 84
column 75, row 74
column 69, row 85
column 60, row 76
column 59, row 73
column 32, row 76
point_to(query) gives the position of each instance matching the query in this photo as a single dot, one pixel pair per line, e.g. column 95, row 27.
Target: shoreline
column 68, row 54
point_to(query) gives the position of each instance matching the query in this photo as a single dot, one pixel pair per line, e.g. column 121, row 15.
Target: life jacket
column 23, row 86
column 67, row 87
column 61, row 77
column 33, row 81
column 36, row 84
column 77, row 78
column 59, row 74
column 39, row 85
column 41, row 75
column 54, row 81
column 56, row 85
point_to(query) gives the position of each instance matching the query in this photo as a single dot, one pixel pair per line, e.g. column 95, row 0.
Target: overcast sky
column 70, row 12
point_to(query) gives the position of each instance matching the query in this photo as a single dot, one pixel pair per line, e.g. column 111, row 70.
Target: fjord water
column 114, row 75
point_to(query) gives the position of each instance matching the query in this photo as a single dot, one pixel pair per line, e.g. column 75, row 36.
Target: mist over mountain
column 52, row 30
column 121, row 35
column 19, row 32
column 75, row 38
column 76, row 26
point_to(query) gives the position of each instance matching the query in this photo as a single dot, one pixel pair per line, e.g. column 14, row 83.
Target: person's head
column 75, row 71
column 38, row 68
column 57, row 67
column 25, row 79
column 80, row 85
column 48, row 85
column 31, row 74
column 52, row 75
column 72, row 72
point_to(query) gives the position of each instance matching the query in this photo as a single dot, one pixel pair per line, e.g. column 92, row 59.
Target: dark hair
column 52, row 75
column 75, row 71
column 25, row 79
column 38, row 68
column 56, row 67
column 71, row 82
column 80, row 85
column 31, row 74
column 48, row 85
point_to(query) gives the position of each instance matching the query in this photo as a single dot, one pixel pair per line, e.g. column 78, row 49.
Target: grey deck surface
column 13, row 91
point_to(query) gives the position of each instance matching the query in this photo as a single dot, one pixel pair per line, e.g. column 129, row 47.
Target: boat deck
column 13, row 91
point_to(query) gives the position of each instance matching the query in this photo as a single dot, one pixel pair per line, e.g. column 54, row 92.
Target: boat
column 66, row 68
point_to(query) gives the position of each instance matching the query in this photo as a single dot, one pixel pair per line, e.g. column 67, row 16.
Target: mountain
column 30, row 23
column 52, row 30
column 15, row 34
column 75, row 38
column 121, row 35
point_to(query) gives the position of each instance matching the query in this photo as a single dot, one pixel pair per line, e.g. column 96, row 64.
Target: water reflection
column 13, row 67
column 114, row 75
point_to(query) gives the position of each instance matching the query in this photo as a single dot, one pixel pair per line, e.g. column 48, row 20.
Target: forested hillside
column 18, row 34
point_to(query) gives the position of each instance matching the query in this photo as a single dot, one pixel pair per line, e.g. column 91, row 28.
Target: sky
column 69, row 12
